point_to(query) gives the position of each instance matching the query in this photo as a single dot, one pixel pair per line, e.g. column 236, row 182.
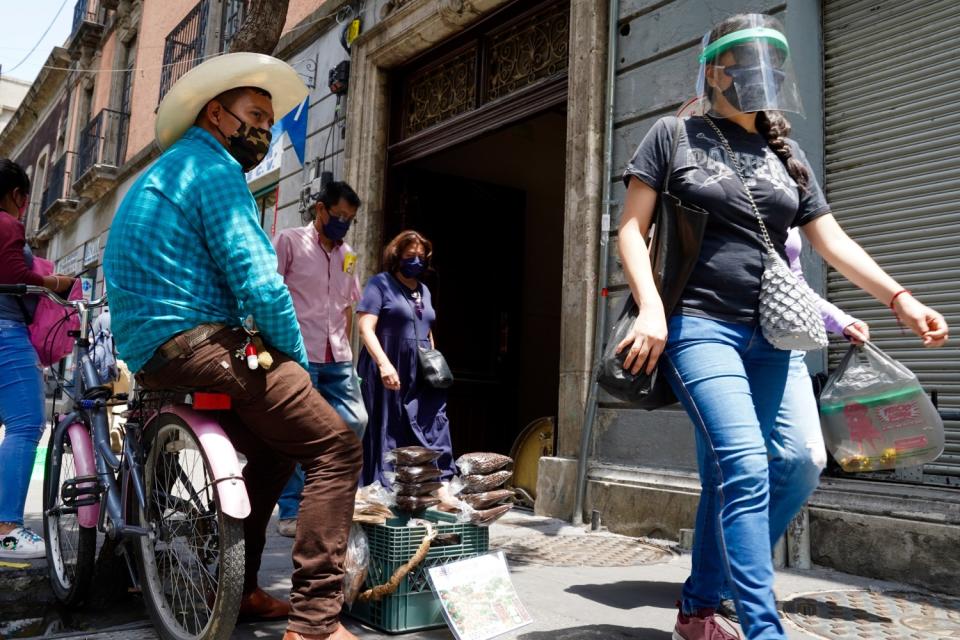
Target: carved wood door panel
column 510, row 66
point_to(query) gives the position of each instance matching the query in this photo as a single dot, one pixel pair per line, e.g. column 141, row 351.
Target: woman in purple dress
column 395, row 316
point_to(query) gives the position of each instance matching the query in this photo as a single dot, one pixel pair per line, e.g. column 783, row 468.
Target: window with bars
column 126, row 95
column 234, row 13
column 184, row 46
column 86, row 11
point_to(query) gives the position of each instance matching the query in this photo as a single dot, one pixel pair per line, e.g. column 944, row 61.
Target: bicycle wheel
column 71, row 549
column 191, row 569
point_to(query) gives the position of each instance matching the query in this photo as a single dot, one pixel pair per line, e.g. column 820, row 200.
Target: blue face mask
column 412, row 267
column 335, row 228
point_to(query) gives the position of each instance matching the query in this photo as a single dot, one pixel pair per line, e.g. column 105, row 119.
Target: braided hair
column 772, row 125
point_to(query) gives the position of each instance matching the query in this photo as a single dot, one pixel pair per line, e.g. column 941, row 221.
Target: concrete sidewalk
column 567, row 603
column 583, row 602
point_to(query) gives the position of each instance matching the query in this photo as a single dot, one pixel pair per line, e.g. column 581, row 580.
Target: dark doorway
column 493, row 207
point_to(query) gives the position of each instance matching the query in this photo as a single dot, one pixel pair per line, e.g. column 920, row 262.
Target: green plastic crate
column 413, row 606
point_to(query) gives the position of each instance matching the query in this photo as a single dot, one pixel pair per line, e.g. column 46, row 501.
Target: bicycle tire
column 170, row 612
column 69, row 578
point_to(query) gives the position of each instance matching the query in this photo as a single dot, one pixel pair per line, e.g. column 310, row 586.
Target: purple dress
column 417, row 413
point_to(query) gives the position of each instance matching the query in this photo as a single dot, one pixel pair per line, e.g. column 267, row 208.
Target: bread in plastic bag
column 416, row 489
column 372, row 514
column 355, row 564
column 480, row 483
column 411, row 456
column 372, row 504
column 487, row 517
column 455, row 486
column 413, row 504
column 487, row 499
column 375, row 493
column 482, row 463
column 876, row 416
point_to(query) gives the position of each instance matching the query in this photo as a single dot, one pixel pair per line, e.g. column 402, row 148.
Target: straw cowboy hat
column 179, row 108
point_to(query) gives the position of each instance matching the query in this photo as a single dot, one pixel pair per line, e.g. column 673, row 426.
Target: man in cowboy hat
column 186, row 259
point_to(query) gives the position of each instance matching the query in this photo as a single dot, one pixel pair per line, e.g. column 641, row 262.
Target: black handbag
column 674, row 250
column 434, row 368
column 431, row 364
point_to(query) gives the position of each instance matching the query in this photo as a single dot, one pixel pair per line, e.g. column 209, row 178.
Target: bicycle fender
column 85, row 464
column 222, row 457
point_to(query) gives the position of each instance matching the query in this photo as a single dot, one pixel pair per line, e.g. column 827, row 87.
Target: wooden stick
column 390, row 586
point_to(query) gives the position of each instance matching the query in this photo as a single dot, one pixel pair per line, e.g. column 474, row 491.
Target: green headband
column 722, row 44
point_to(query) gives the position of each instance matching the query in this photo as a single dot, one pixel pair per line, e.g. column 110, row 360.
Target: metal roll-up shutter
column 891, row 87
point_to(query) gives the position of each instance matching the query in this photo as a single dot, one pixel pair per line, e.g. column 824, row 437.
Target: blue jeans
column 21, row 412
column 796, row 453
column 755, row 417
column 337, row 382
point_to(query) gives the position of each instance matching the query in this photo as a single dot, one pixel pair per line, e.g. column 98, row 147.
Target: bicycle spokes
column 186, row 544
column 70, row 545
column 66, row 529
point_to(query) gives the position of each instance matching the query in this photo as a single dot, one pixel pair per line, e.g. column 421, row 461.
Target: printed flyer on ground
column 479, row 599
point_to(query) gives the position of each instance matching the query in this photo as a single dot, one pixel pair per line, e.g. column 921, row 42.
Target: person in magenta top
column 21, row 385
column 320, row 269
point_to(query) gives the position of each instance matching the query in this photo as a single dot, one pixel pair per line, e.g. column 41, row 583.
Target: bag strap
column 629, row 303
column 677, row 132
column 409, row 299
column 743, row 181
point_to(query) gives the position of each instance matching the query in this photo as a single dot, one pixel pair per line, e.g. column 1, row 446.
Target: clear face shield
column 747, row 70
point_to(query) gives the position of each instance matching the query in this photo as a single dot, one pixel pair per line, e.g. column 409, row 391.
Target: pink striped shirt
column 323, row 286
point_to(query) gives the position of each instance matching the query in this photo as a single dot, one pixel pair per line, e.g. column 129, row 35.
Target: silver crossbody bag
column 789, row 317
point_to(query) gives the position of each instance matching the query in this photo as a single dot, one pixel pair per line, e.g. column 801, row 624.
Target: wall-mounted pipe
column 590, row 412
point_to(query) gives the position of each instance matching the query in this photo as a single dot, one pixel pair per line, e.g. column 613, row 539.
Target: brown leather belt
column 180, row 345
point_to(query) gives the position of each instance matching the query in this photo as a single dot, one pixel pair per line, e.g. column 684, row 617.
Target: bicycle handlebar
column 27, row 289
column 14, row 289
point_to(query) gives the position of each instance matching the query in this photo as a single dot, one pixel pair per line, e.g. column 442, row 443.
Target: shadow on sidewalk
column 598, row 631
column 812, row 607
column 536, row 524
column 630, row 594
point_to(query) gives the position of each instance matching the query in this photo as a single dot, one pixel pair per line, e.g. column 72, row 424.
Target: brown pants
column 278, row 418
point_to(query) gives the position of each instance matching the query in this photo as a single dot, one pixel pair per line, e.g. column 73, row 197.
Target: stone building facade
column 483, row 123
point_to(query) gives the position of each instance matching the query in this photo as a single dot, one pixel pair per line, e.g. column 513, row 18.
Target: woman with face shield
column 757, row 429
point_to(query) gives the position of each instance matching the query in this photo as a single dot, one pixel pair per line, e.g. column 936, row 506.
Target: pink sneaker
column 701, row 625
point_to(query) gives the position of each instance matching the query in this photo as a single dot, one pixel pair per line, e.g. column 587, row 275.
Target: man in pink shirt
column 320, row 270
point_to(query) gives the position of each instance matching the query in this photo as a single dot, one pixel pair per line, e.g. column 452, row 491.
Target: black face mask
column 731, row 95
column 249, row 145
column 748, row 80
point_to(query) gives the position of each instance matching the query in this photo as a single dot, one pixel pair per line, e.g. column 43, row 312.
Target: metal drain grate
column 580, row 551
column 876, row 615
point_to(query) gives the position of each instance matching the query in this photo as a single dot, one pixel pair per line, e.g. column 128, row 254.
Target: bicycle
column 174, row 496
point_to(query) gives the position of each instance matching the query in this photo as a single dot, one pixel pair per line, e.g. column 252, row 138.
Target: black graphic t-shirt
column 725, row 284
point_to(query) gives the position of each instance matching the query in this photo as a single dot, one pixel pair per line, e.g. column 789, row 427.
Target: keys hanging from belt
column 254, row 351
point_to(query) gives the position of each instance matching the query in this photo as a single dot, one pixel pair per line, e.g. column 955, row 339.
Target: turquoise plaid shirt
column 186, row 248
